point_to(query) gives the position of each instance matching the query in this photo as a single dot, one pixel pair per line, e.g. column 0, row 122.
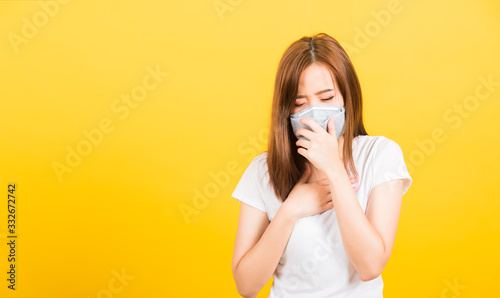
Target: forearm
column 258, row 265
column 363, row 244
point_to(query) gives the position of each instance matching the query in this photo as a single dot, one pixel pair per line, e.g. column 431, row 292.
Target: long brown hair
column 285, row 164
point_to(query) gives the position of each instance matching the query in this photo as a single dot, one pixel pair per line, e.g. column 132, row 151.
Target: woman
column 301, row 219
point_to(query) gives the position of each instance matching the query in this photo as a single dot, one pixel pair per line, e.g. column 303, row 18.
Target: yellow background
column 119, row 208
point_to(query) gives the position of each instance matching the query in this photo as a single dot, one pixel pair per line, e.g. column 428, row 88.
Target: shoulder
column 259, row 161
column 375, row 143
column 378, row 149
column 258, row 165
column 387, row 161
column 251, row 188
column 261, row 158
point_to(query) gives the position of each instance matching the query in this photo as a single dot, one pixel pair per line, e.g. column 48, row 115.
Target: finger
column 331, row 126
column 302, row 143
column 312, row 124
column 303, row 152
column 325, row 192
column 329, row 205
column 305, row 132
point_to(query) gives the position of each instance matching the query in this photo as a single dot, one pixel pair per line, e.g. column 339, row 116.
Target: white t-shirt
column 314, row 262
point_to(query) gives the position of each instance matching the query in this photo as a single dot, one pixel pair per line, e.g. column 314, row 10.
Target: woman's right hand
column 307, row 199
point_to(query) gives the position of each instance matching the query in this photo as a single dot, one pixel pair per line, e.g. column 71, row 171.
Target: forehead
column 315, row 77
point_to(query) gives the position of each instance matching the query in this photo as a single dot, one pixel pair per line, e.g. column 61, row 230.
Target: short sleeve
column 390, row 165
column 250, row 188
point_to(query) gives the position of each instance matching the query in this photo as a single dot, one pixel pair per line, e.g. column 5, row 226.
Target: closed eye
column 326, row 99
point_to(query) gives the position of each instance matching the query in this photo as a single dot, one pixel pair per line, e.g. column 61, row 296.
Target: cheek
column 298, row 109
column 339, row 101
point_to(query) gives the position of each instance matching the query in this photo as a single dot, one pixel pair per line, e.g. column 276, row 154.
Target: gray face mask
column 321, row 114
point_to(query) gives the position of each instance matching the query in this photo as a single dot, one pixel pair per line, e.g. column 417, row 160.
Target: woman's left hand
column 322, row 148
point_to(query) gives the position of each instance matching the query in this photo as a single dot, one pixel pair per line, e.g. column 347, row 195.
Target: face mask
column 321, row 114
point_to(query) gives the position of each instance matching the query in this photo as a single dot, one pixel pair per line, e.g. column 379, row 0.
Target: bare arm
column 258, row 247
column 368, row 239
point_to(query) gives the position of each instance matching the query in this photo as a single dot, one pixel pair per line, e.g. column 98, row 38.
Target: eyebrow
column 317, row 93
